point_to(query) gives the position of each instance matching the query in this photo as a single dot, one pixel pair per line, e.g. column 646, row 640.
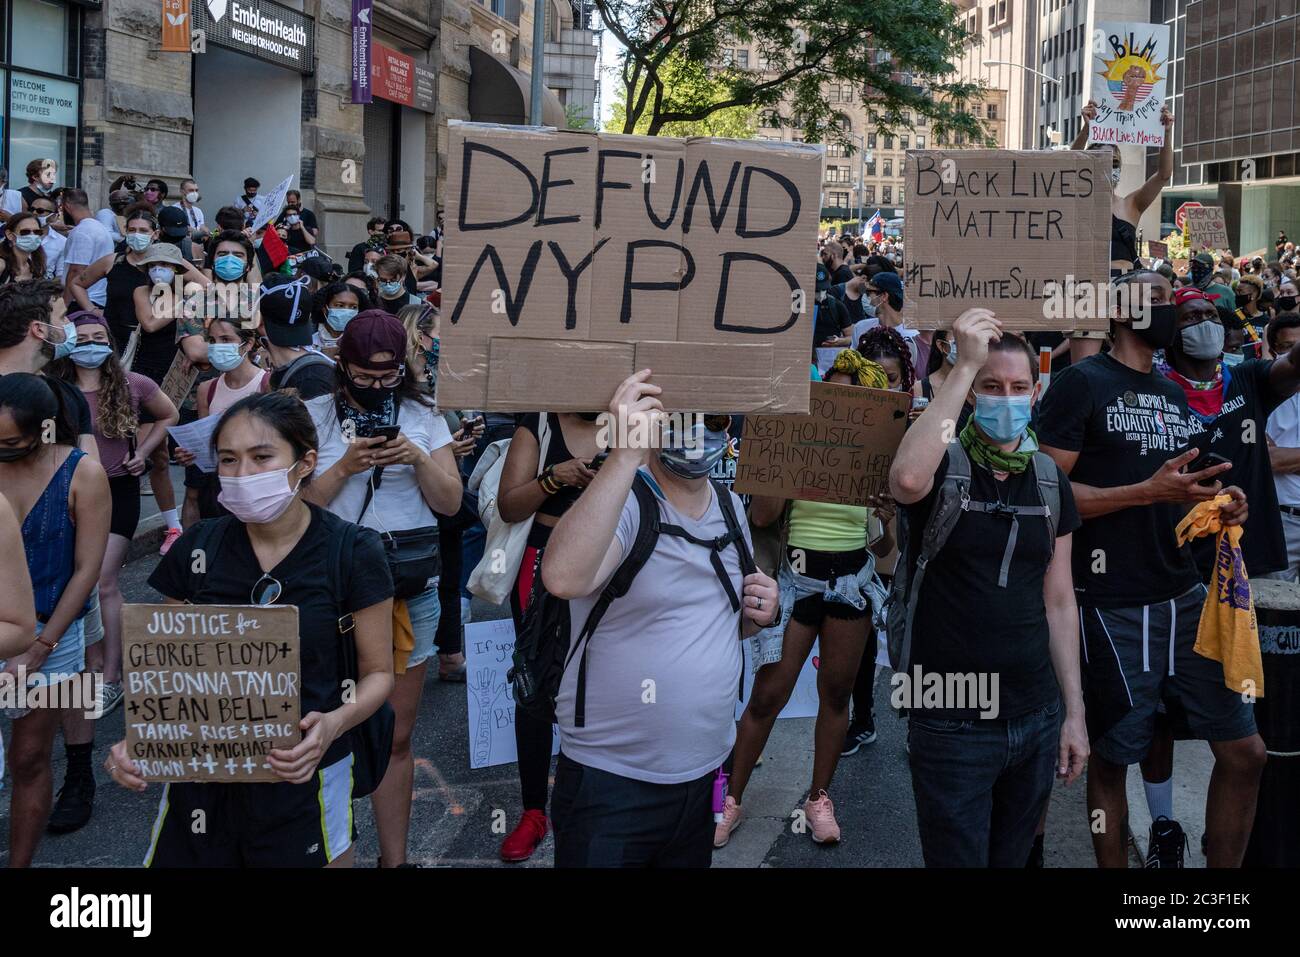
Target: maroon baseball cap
column 371, row 332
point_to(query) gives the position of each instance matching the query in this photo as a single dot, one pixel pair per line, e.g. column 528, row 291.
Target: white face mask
column 192, row 196
column 160, row 275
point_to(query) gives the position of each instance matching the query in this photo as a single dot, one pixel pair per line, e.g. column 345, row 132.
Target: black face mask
column 18, row 453
column 1285, row 303
column 1161, row 326
column 370, row 399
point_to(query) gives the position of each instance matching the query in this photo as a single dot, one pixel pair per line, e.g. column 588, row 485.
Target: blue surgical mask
column 1003, row 418
column 28, row 244
column 228, row 267
column 696, row 461
column 1231, row 359
column 64, row 349
column 91, row 355
column 224, row 356
column 339, row 318
column 391, row 289
column 138, row 242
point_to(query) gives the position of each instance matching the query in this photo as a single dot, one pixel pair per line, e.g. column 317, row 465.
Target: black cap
column 172, row 222
column 285, row 307
column 823, row 279
column 319, row 267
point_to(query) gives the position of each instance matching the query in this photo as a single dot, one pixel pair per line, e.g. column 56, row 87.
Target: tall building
column 1005, row 31
column 869, row 178
column 1235, row 86
column 572, row 54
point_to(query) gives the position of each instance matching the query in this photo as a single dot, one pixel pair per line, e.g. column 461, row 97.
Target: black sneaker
column 1168, row 844
column 75, row 802
column 858, row 735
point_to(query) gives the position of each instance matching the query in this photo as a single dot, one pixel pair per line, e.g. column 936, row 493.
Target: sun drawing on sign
column 1130, row 76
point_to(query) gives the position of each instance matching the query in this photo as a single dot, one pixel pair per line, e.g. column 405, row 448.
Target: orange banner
column 176, row 26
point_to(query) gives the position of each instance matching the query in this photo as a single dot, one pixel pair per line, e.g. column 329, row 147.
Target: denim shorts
column 93, row 619
column 425, row 612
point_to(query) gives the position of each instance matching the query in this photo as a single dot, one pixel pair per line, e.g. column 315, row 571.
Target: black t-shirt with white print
column 1237, row 434
column 1124, row 424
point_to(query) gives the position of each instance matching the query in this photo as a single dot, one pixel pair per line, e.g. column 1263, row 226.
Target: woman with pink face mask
column 275, row 549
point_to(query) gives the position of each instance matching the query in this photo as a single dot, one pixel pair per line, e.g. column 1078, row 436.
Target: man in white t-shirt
column 88, row 242
column 53, row 243
column 646, row 706
column 1284, row 449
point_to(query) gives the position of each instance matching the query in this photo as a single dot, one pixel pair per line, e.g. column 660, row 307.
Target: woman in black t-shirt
column 542, row 488
column 276, row 550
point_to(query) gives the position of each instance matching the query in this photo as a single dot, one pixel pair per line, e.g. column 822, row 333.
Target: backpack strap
column 643, row 546
column 207, row 540
column 1049, row 491
column 300, row 363
column 953, row 497
column 1049, row 495
column 340, row 581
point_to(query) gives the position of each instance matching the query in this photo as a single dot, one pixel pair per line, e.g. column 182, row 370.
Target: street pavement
column 456, row 819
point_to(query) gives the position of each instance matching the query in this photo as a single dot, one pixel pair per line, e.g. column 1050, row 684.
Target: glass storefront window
column 42, row 122
column 40, row 38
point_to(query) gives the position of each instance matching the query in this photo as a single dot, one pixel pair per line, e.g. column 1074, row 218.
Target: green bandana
column 984, row 453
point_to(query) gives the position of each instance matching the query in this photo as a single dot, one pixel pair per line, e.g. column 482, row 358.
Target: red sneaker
column 523, row 840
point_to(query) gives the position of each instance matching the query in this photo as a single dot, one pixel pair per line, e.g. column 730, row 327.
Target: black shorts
column 827, row 567
column 124, row 493
column 256, row 825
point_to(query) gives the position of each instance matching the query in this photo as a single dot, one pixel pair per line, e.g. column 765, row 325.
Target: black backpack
column 543, row 647
column 371, row 741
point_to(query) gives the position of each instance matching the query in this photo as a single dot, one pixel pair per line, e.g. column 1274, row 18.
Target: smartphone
column 1207, row 460
column 598, row 461
column 387, row 432
column 470, row 424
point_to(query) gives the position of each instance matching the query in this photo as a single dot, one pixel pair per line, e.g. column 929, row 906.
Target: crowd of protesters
column 319, row 381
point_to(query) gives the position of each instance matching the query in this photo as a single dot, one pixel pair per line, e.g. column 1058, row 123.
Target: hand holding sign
column 297, row 764
column 638, row 418
column 975, row 329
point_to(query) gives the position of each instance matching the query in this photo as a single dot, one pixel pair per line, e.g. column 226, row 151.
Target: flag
column 176, row 26
column 876, row 227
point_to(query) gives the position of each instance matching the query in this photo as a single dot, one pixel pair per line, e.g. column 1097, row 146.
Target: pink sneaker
column 730, row 821
column 169, row 540
column 821, row 818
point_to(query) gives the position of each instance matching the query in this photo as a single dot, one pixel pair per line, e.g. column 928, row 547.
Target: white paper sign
column 274, row 203
column 1129, row 74
column 488, row 648
column 196, row 437
column 803, row 700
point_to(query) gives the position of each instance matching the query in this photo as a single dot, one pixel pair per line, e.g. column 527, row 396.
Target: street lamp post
column 1060, row 91
column 539, row 62
column 862, row 174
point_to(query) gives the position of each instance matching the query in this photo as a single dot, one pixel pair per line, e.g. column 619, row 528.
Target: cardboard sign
column 489, row 646
column 210, row 690
column 1129, row 74
column 839, row 452
column 1023, row 233
column 1157, row 250
column 1206, row 229
column 274, row 203
column 180, row 379
column 571, row 260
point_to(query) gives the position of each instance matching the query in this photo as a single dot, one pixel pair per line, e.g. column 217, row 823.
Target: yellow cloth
column 827, row 527
column 1228, row 632
column 403, row 637
column 870, row 374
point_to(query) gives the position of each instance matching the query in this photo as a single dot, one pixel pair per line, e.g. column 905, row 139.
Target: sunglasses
column 266, row 591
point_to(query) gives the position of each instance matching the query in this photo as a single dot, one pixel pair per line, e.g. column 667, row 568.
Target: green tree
column 689, row 87
column 892, row 52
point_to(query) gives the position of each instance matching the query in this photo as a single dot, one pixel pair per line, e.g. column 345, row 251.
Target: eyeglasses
column 266, row 591
column 388, row 380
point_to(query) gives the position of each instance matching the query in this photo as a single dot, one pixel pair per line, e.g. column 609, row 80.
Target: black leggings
column 533, row 739
column 864, row 686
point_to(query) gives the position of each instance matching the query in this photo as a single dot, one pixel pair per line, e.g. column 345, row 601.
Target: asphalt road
column 454, row 824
